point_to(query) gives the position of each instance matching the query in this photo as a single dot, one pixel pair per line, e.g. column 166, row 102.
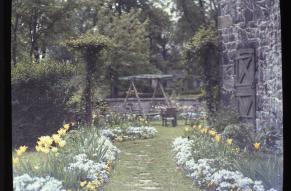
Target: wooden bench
column 169, row 113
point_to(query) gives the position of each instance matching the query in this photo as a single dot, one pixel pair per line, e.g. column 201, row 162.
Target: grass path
column 149, row 165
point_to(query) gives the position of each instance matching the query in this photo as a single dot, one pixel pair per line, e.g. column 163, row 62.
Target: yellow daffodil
column 257, row 146
column 37, row 148
column 15, row 161
column 62, row 132
column 36, row 167
column 21, row 150
column 229, row 141
column 217, row 138
column 62, row 143
column 67, row 126
column 45, row 141
column 204, row 130
column 91, row 186
column 212, row 133
column 56, row 138
column 82, row 184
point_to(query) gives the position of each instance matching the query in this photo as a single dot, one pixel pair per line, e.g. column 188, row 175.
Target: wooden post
column 155, row 91
column 127, row 94
column 139, row 103
column 164, row 94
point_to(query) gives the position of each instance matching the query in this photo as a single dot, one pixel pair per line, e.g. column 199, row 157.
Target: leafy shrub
column 39, row 95
column 243, row 135
column 272, row 139
column 223, row 117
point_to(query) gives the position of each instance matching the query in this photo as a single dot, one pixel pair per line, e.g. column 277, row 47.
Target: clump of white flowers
column 111, row 133
column 145, row 131
column 28, row 183
column 91, row 169
column 130, row 132
column 208, row 174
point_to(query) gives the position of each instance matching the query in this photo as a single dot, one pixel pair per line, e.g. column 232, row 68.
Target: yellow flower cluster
column 217, row 138
column 204, row 130
column 21, row 150
column 229, row 141
column 142, row 120
column 45, row 143
column 212, row 133
column 257, row 146
column 91, row 185
column 19, row 153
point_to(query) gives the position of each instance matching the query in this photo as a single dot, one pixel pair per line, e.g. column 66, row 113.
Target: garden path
column 149, row 165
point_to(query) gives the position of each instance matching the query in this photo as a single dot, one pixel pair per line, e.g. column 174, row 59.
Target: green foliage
column 223, row 117
column 267, row 168
column 243, row 135
column 201, row 56
column 206, row 147
column 89, row 40
column 26, row 72
column 85, row 140
column 131, row 44
column 39, row 95
column 203, row 37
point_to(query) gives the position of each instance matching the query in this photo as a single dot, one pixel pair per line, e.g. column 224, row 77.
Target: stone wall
column 253, row 24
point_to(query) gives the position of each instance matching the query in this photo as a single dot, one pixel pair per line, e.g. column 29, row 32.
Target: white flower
column 83, row 165
column 27, row 183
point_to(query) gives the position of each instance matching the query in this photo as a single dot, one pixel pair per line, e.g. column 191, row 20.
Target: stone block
column 224, row 21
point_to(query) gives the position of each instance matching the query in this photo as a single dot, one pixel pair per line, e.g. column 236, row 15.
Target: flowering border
column 207, row 174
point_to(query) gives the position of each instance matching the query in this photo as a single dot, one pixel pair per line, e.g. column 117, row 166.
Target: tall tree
column 131, row 52
column 40, row 22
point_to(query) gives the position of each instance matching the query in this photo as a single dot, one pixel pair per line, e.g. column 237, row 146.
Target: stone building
column 251, row 65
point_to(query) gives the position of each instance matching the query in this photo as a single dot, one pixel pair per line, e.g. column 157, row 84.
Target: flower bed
column 130, row 133
column 26, row 182
column 78, row 160
column 209, row 173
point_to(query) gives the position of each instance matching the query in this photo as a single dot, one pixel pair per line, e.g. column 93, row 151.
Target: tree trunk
column 208, row 89
column 14, row 40
column 33, row 36
column 90, row 58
